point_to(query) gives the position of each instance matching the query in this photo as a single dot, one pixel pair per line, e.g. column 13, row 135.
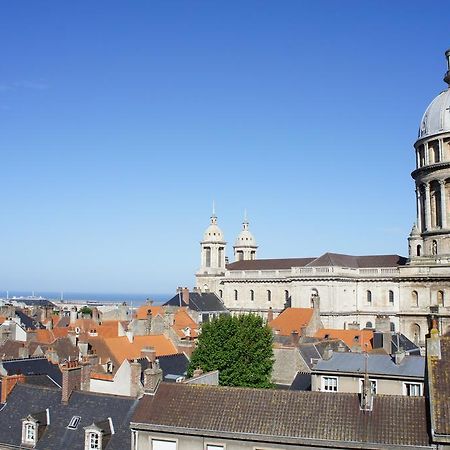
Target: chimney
column 24, row 352
column 71, row 379
column 353, row 326
column 341, row 347
column 399, row 356
column 387, row 342
column 86, row 370
column 434, row 344
column 8, row 383
column 295, row 338
column 52, row 356
column 185, row 295
column 73, row 315
column 270, row 315
column 327, row 353
column 95, row 315
column 382, row 323
column 149, row 353
column 366, row 399
column 135, row 378
column 152, row 377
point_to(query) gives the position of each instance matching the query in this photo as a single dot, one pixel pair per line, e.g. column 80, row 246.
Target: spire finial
column 214, row 208
column 447, row 75
column 245, row 215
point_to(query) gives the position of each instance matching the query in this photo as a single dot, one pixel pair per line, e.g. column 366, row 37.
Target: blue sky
column 121, row 122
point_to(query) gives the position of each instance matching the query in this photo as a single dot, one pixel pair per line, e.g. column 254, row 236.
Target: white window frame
column 91, row 436
column 152, row 439
column 214, row 446
column 325, row 378
column 415, row 384
column 372, row 383
column 29, row 426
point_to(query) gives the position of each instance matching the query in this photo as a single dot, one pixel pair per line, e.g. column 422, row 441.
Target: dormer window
column 29, row 436
column 94, row 441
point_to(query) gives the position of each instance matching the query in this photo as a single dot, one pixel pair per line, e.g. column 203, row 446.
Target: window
column 369, row 325
column 412, row 389
column 240, row 255
column 440, row 298
column 208, row 256
column 252, row 295
column 391, row 297
column 236, row 295
column 373, row 385
column 30, row 432
column 369, row 297
column 74, row 421
column 94, row 441
column 434, row 248
column 220, row 293
column 330, row 384
column 414, row 299
column 159, row 444
column 286, row 295
column 418, row 250
column 392, row 326
column 269, row 296
column 214, row 447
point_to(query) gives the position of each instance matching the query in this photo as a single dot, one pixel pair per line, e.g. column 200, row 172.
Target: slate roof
column 439, row 383
column 410, row 367
column 91, row 407
column 33, row 366
column 327, row 259
column 172, row 366
column 199, row 301
column 301, row 382
column 397, row 340
column 278, row 416
column 28, row 322
column 312, row 352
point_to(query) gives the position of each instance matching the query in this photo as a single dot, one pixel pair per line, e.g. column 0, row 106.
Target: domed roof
column 437, row 116
column 245, row 238
column 213, row 233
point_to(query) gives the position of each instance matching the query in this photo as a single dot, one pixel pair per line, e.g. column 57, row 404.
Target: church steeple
column 245, row 246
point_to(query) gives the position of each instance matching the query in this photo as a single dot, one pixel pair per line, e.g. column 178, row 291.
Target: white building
column 412, row 291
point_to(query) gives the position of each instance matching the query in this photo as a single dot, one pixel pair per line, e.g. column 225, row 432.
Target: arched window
column 418, row 249
column 369, row 325
column 220, row 293
column 440, row 298
column 269, row 296
column 391, row 297
column 414, row 299
column 415, row 333
column 208, row 256
column 286, row 295
column 369, row 297
column 392, row 326
column 252, row 295
column 236, row 295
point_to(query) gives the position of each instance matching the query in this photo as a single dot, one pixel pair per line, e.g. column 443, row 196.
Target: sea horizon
column 106, row 297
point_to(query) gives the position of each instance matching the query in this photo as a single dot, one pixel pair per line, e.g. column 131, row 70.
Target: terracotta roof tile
column 291, row 319
column 141, row 312
column 121, row 348
column 352, row 338
column 183, row 320
column 44, row 336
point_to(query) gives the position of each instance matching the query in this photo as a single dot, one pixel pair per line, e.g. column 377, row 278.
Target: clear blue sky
column 120, row 122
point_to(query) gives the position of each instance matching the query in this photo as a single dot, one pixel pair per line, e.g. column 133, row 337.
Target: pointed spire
column 447, row 75
column 213, row 216
column 245, row 222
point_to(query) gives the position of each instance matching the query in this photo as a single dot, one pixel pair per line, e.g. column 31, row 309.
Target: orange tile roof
column 60, row 332
column 102, row 376
column 350, row 337
column 141, row 312
column 45, row 336
column 121, row 348
column 108, row 329
column 291, row 319
column 183, row 320
column 2, row 319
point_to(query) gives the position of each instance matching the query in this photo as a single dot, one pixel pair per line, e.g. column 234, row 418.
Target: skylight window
column 74, row 421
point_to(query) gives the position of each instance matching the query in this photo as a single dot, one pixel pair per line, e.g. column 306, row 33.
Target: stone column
column 419, row 211
column 426, row 153
column 427, row 207
column 441, row 156
column 443, row 204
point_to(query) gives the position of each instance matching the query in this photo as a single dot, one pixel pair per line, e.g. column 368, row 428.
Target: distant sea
column 135, row 299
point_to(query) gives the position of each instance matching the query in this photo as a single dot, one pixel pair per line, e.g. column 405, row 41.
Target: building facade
column 348, row 289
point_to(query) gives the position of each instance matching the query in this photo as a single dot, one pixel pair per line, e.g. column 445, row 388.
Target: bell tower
column 245, row 246
column 429, row 241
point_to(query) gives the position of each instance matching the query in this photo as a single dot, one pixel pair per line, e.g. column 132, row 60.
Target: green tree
column 240, row 347
column 85, row 310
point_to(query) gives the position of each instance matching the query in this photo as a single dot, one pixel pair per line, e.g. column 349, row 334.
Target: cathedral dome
column 213, row 233
column 245, row 238
column 436, row 119
column 437, row 116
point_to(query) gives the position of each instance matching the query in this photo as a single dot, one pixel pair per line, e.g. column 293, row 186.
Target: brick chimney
column 135, row 379
column 149, row 353
column 270, row 315
column 8, row 383
column 399, row 356
column 197, row 372
column 152, row 377
column 73, row 315
column 295, row 338
column 71, row 379
column 185, row 295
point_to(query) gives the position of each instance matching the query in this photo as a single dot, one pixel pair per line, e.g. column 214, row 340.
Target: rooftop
column 291, row 319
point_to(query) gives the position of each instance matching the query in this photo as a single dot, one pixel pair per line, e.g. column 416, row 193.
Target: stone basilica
column 350, row 290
